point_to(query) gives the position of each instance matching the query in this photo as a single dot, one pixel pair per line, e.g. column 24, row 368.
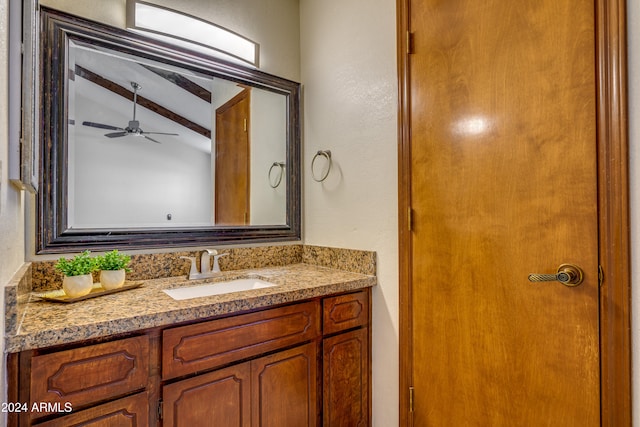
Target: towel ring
column 275, row 183
column 321, row 153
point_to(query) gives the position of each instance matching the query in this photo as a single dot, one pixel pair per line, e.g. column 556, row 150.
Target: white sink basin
column 219, row 288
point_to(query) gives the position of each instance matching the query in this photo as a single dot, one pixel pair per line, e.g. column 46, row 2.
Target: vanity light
column 190, row 32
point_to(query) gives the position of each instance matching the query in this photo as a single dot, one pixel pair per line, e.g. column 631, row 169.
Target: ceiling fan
column 133, row 128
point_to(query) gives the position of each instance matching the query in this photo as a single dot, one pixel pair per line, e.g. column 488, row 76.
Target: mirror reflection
column 156, row 145
column 145, row 144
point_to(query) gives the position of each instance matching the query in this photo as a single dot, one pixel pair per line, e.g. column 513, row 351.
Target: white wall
column 348, row 68
column 268, row 130
column 633, row 39
column 11, row 201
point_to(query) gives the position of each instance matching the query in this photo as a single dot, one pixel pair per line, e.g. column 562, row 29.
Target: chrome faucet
column 206, row 270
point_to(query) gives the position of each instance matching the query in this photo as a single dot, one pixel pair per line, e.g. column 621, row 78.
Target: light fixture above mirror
column 190, row 32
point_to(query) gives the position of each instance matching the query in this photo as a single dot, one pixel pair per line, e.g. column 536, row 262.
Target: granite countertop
column 43, row 324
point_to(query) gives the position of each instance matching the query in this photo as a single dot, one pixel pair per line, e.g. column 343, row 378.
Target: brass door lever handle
column 568, row 274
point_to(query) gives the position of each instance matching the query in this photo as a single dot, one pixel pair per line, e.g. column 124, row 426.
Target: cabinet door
column 220, row 398
column 346, row 379
column 285, row 388
column 130, row 411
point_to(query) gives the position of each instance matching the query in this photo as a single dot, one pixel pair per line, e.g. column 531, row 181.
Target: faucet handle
column 216, row 266
column 193, row 271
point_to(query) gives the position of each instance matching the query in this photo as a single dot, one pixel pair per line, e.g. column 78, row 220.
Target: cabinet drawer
column 345, row 312
column 130, row 411
column 193, row 348
column 89, row 374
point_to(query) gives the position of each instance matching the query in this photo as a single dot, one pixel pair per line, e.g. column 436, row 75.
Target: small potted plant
column 78, row 280
column 113, row 268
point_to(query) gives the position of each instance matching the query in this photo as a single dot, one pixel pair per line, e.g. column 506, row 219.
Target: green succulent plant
column 114, row 261
column 80, row 264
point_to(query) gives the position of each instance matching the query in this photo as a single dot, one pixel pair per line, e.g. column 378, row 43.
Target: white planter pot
column 77, row 286
column 112, row 279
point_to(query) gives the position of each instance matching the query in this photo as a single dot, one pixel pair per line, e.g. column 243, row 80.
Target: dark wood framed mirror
column 144, row 144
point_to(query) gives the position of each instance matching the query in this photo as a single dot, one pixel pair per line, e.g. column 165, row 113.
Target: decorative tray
column 97, row 291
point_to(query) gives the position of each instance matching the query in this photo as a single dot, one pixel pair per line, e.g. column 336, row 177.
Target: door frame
column 613, row 212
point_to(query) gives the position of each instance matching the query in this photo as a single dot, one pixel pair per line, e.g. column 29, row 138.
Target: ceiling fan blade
column 116, row 134
column 101, row 126
column 151, row 139
column 160, row 133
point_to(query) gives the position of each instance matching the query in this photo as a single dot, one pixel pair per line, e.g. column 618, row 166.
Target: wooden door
column 284, row 387
column 503, row 183
column 221, row 398
column 232, row 179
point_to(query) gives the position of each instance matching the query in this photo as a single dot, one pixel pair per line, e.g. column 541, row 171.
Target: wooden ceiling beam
column 182, row 82
column 142, row 101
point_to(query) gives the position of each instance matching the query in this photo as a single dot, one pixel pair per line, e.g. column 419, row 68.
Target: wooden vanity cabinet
column 303, row 364
column 285, row 389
